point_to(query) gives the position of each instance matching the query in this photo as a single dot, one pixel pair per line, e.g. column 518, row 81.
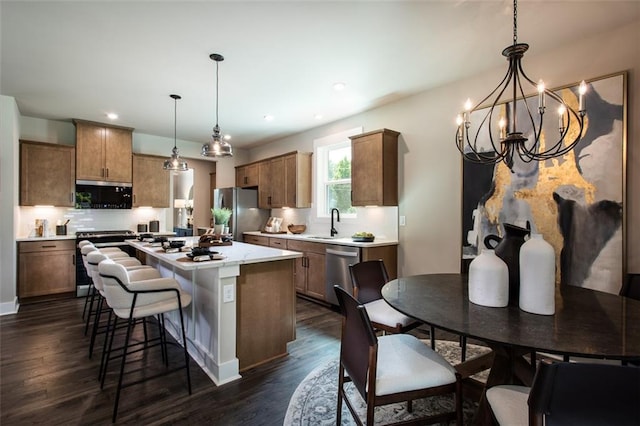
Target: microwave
column 103, row 195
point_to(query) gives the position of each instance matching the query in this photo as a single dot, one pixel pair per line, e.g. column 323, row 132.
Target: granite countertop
column 234, row 254
column 343, row 241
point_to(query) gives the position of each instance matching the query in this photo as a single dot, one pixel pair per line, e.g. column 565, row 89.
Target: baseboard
column 8, row 308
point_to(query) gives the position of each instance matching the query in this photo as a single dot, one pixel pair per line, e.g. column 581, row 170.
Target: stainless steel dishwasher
column 338, row 259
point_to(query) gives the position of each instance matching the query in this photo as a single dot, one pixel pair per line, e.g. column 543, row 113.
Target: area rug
column 314, row 400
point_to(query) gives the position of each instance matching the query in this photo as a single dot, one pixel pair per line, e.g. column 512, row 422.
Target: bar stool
column 111, row 252
column 131, row 264
column 131, row 300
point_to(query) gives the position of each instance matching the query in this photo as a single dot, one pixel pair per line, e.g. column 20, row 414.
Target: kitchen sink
column 321, row 237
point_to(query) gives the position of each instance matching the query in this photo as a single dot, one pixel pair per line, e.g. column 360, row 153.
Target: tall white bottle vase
column 180, row 221
column 489, row 280
column 537, row 276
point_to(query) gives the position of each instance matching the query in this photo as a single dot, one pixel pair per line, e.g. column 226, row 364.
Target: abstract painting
column 575, row 201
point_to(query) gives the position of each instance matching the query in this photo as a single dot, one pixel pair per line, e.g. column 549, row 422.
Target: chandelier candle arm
column 511, row 143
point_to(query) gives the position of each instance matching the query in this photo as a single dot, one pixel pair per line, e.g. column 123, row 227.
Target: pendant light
column 175, row 163
column 497, row 125
column 217, row 147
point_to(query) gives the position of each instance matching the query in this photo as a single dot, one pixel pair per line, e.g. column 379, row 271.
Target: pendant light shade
column 217, row 147
column 175, row 163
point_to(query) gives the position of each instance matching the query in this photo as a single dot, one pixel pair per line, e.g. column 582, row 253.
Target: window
column 333, row 174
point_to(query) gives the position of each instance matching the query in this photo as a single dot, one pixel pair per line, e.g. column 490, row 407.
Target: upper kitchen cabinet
column 103, row 153
column 374, row 168
column 271, row 183
column 285, row 181
column 47, row 174
column 297, row 175
column 150, row 182
column 247, row 175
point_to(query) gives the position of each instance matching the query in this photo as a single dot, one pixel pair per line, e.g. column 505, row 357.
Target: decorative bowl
column 297, row 229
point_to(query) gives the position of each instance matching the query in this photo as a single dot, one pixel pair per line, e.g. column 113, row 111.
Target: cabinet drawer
column 305, row 246
column 46, row 245
column 256, row 239
column 278, row 243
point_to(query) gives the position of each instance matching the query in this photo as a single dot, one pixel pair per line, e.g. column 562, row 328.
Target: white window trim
column 320, row 161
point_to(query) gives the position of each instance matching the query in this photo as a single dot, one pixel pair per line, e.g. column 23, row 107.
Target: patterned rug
column 314, row 400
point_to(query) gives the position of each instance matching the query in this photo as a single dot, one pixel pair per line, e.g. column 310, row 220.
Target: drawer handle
column 53, row 246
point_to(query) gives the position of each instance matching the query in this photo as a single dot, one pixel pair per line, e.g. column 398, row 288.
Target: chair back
column 115, row 278
column 631, row 287
column 93, row 260
column 358, row 349
column 367, row 278
column 586, row 394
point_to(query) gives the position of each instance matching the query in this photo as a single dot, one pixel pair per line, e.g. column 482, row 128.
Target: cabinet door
column 277, row 182
column 264, row 185
column 316, row 273
column 297, row 180
column 47, row 174
column 150, row 182
column 42, row 273
column 374, row 169
column 118, row 155
column 90, row 152
column 247, row 176
column 300, row 274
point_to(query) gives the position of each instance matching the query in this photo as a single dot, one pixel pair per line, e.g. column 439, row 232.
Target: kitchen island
column 243, row 308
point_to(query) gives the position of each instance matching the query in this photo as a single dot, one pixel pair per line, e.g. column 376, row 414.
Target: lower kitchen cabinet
column 46, row 268
column 256, row 239
column 310, row 269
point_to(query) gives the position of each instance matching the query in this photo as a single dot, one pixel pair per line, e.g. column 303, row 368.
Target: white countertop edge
column 236, row 254
column 343, row 241
column 50, row 238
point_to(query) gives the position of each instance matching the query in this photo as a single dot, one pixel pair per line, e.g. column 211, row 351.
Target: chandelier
column 217, row 147
column 496, row 136
column 175, row 163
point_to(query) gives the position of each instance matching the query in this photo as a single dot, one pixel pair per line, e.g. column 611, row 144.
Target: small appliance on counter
column 154, row 226
column 142, row 227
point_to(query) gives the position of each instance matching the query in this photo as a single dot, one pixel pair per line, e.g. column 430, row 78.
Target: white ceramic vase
column 537, row 276
column 489, row 280
column 218, row 228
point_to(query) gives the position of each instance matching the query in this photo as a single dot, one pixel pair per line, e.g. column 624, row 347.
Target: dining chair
column 571, row 393
column 390, row 369
column 133, row 300
column 631, row 287
column 367, row 278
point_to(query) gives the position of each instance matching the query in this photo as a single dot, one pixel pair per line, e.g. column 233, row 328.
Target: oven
column 99, row 239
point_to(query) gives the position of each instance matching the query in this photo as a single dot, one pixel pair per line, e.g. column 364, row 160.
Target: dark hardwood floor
column 46, row 376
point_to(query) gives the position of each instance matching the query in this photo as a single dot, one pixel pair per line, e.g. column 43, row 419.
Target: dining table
column 588, row 324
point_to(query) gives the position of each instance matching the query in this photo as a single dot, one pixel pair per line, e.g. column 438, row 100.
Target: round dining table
column 587, row 323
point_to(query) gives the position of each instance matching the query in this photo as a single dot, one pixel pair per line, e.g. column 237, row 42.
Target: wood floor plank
column 46, row 376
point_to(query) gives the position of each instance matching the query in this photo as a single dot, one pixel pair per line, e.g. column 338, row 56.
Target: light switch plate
column 403, row 220
column 228, row 293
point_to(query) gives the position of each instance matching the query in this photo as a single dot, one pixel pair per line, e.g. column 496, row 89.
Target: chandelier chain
column 515, row 22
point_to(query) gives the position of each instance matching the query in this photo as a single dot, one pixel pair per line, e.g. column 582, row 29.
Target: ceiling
column 82, row 59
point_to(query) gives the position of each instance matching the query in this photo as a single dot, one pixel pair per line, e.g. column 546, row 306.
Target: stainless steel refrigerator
column 246, row 216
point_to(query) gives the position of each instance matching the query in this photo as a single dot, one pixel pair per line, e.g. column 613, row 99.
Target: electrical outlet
column 228, row 293
column 403, row 220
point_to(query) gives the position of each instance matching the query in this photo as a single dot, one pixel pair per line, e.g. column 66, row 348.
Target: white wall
column 9, row 155
column 431, row 167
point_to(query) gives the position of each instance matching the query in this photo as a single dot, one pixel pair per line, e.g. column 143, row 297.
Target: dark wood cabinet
column 247, row 175
column 374, row 168
column 103, row 153
column 150, row 182
column 47, row 174
column 310, row 269
column 46, row 268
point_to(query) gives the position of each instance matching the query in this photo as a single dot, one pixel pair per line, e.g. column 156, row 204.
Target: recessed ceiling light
column 339, row 86
column 112, row 115
column 268, row 117
column 318, row 116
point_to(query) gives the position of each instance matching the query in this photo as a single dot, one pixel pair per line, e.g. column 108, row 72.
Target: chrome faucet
column 333, row 229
